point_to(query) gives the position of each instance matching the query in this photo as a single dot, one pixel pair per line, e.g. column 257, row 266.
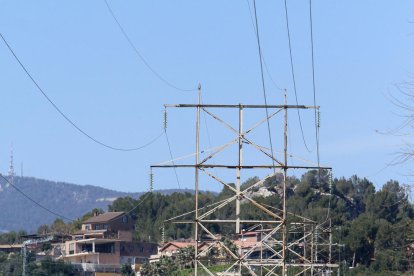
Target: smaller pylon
column 151, row 182
column 163, row 235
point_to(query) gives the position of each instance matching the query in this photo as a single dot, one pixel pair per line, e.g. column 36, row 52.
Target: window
column 106, row 226
column 125, row 219
column 87, row 247
column 105, row 248
column 71, row 248
column 97, row 227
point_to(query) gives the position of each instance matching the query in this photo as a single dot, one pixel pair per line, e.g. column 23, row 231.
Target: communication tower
column 11, row 173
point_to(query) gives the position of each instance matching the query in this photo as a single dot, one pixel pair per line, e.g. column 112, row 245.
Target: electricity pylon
column 288, row 243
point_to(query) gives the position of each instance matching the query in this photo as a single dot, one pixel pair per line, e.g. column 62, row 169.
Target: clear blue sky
column 79, row 57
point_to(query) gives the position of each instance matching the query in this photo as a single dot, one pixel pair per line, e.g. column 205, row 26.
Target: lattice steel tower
column 288, row 244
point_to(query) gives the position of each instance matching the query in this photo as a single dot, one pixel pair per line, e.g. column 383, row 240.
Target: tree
column 51, row 267
column 126, row 270
column 184, row 258
column 11, row 264
column 390, row 203
column 361, row 239
column 165, row 266
column 59, row 227
column 404, row 102
column 12, row 237
column 124, row 204
column 375, row 227
column 146, row 269
column 43, row 229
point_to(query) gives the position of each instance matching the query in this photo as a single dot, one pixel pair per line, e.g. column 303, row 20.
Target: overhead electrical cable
column 293, row 76
column 313, row 82
column 317, row 111
column 34, row 201
column 264, row 60
column 379, row 171
column 263, row 83
column 208, row 132
column 141, row 200
column 172, row 160
column 169, row 148
column 66, row 116
column 140, row 56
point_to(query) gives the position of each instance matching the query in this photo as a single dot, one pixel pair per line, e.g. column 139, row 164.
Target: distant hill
column 70, row 200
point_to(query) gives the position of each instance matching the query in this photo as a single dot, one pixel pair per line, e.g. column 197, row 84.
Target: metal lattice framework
column 288, row 243
column 31, row 242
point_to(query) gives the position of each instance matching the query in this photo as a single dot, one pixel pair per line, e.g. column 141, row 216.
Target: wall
column 115, row 225
column 106, row 258
column 125, row 235
column 87, row 258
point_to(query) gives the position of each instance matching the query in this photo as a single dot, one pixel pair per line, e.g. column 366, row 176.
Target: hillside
column 70, row 200
column 372, row 230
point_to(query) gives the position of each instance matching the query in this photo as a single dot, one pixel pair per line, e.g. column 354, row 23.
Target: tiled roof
column 178, row 244
column 104, row 217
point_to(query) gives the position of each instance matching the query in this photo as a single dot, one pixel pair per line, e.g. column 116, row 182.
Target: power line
column 34, row 201
column 263, row 82
column 313, row 82
column 207, row 131
column 140, row 56
column 172, row 159
column 293, row 75
column 207, row 128
column 264, row 60
column 141, row 200
column 169, row 148
column 66, row 117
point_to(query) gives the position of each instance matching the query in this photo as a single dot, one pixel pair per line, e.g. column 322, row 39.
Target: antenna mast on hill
column 11, row 172
column 289, row 243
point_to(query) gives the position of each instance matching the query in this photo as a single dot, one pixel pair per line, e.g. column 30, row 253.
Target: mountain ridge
column 67, row 199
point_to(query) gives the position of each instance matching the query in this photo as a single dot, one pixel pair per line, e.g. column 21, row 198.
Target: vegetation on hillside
column 12, row 265
column 375, row 227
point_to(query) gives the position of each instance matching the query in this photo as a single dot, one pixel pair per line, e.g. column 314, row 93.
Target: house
column 117, row 225
column 250, row 241
column 246, row 241
column 105, row 242
column 136, row 253
column 40, row 247
column 171, row 249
